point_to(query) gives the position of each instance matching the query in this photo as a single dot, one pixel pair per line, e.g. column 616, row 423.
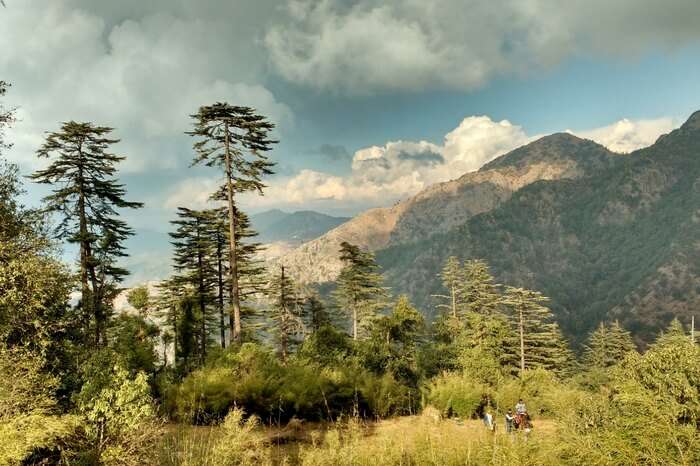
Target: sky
column 372, row 100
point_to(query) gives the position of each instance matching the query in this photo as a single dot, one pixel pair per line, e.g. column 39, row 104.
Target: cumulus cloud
column 625, row 136
column 370, row 45
column 384, row 174
column 143, row 75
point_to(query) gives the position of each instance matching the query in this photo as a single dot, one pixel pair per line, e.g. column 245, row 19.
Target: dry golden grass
column 410, row 440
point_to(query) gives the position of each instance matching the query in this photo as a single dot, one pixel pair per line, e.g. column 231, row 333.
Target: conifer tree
column 478, row 289
column 540, row 340
column 86, row 196
column 192, row 256
column 217, row 232
column 315, row 312
column 285, row 311
column 359, row 289
column 607, row 345
column 452, row 276
column 675, row 332
column 234, row 139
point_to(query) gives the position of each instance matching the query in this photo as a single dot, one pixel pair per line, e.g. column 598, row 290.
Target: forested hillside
column 620, row 241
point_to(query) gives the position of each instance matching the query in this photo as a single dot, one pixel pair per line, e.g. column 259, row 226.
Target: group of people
column 518, row 420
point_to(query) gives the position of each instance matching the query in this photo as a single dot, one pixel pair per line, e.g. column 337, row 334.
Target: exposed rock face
column 444, row 206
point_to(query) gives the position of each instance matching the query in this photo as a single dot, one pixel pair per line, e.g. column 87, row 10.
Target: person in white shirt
column 520, row 408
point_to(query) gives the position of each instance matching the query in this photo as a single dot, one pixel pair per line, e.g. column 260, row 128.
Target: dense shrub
column 455, row 394
column 253, row 379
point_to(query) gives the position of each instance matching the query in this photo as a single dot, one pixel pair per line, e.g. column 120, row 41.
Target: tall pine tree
column 86, row 197
column 193, row 268
column 452, row 276
column 479, row 291
column 286, row 312
column 234, row 139
column 360, row 291
column 607, row 345
column 540, row 340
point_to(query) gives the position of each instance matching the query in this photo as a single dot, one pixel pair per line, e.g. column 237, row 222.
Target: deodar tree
column 86, row 196
column 235, row 140
column 360, row 291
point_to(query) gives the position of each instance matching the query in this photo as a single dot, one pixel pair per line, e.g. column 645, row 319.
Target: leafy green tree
column 541, row 342
column 134, row 339
column 86, row 196
column 286, row 315
column 394, row 342
column 140, row 299
column 113, row 402
column 360, row 290
column 234, row 139
column 607, row 345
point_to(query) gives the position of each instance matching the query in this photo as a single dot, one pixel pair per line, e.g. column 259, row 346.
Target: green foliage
column 650, row 417
column 139, row 298
column 360, row 292
column 457, row 394
column 240, row 444
column 541, row 342
column 394, row 341
column 133, row 338
column 31, row 425
column 253, row 379
column 327, row 346
column 607, row 345
column 114, row 403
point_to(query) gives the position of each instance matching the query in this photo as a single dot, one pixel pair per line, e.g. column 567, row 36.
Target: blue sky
column 373, row 100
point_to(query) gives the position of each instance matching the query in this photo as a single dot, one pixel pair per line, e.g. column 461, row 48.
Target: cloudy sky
column 373, row 100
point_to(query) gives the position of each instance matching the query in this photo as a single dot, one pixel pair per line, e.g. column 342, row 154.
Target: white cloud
column 192, row 193
column 625, row 136
column 371, row 45
column 143, row 75
column 384, row 174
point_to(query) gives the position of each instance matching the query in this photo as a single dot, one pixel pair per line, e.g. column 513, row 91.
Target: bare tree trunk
column 233, row 269
column 87, row 270
column 354, row 322
column 454, row 302
column 220, row 290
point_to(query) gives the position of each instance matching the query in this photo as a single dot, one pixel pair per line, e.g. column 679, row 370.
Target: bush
column 117, row 410
column 239, row 443
column 457, row 395
column 538, row 388
column 31, row 428
column 251, row 378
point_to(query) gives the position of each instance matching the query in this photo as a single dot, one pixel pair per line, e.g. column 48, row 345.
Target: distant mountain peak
column 693, row 122
column 553, row 148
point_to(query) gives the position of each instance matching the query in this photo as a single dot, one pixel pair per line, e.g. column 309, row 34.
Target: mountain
column 444, row 206
column 296, row 227
column 605, row 235
column 620, row 241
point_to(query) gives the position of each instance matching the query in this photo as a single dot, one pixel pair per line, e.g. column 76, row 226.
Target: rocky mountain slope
column 618, row 240
column 444, row 206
